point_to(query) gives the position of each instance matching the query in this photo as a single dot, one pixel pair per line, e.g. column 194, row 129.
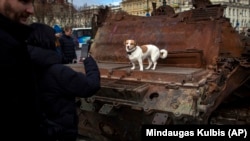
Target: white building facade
column 238, row 11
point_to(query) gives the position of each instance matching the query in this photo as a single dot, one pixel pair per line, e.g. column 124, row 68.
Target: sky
column 78, row 3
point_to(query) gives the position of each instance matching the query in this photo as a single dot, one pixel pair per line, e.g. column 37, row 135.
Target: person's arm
column 77, row 83
column 91, row 69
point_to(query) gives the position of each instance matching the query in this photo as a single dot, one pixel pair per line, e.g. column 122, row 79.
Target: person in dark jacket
column 59, row 86
column 68, row 46
column 19, row 118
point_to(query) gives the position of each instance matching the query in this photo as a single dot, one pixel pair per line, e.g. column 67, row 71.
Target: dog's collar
column 129, row 52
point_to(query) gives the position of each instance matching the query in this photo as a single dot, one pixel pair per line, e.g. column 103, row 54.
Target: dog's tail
column 163, row 53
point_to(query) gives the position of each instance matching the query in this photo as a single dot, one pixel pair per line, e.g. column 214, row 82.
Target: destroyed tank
column 203, row 80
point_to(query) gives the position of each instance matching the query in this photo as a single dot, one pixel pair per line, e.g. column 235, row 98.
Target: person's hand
column 74, row 61
column 83, row 58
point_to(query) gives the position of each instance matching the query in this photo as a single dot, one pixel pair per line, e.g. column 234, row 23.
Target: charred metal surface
column 201, row 3
column 162, row 10
column 204, row 79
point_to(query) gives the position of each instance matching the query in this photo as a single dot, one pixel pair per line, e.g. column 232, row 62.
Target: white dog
column 139, row 53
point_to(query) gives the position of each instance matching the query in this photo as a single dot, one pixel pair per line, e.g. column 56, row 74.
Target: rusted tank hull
column 187, row 32
column 208, row 64
column 129, row 99
column 124, row 103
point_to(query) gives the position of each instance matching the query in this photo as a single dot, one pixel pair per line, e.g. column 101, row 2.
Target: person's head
column 42, row 36
column 58, row 31
column 17, row 10
column 68, row 30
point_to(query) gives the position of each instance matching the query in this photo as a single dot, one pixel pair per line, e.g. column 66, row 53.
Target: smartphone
column 84, row 51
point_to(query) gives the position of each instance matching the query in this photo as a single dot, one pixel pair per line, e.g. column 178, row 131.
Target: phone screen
column 84, row 51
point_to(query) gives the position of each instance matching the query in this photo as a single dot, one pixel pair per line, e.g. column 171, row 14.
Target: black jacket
column 18, row 118
column 60, row 85
column 68, row 49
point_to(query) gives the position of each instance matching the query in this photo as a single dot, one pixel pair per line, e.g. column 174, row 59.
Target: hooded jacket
column 59, row 86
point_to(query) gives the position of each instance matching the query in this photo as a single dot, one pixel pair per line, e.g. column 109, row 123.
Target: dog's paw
column 147, row 68
column 132, row 68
